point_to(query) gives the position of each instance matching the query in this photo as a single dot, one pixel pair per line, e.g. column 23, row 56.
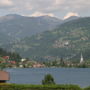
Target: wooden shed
column 4, row 76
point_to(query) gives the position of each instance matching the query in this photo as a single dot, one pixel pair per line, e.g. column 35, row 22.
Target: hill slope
column 14, row 27
column 19, row 27
column 67, row 41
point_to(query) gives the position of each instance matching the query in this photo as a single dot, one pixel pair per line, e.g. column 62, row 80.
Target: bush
column 48, row 79
column 88, row 88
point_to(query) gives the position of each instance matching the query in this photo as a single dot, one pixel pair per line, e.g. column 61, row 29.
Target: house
column 12, row 62
column 5, row 57
column 38, row 65
column 4, row 76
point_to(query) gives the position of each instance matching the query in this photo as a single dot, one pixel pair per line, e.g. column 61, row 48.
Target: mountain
column 14, row 27
column 18, row 27
column 4, row 39
column 66, row 41
column 71, row 18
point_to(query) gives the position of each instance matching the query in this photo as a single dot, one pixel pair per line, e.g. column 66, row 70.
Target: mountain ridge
column 18, row 26
column 67, row 41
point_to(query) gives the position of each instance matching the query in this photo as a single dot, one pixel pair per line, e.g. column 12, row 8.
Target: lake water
column 78, row 76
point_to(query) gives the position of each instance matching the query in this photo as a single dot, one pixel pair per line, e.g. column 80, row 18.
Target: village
column 5, row 62
column 23, row 63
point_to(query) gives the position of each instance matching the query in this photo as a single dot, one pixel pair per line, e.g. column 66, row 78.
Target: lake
column 78, row 76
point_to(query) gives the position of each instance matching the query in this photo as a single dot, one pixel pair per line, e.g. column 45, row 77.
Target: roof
column 5, row 57
column 4, row 75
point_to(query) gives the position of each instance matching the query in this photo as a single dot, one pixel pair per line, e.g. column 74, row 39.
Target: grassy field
column 40, row 87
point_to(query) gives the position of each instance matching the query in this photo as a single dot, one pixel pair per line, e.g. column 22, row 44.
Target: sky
column 58, row 8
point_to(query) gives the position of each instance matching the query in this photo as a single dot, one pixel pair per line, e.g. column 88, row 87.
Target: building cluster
column 69, row 63
column 27, row 63
column 23, row 63
column 6, row 62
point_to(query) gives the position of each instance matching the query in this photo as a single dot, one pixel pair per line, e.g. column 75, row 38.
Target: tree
column 2, row 66
column 62, row 63
column 2, row 63
column 48, row 80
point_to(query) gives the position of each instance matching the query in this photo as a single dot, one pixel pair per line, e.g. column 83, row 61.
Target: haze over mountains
column 15, row 27
column 46, row 37
column 19, row 26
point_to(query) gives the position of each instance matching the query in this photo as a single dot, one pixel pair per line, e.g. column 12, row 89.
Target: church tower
column 81, row 59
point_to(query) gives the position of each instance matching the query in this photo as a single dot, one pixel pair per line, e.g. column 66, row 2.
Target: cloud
column 28, row 6
column 42, row 14
column 4, row 3
column 41, row 7
column 58, row 2
column 70, row 14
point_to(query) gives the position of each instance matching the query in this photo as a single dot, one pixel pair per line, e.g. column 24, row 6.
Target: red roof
column 12, row 62
column 5, row 57
column 4, row 75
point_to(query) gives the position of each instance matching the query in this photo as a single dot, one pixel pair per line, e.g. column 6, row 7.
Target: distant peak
column 10, row 17
column 14, row 15
column 73, row 17
column 71, row 14
column 49, row 17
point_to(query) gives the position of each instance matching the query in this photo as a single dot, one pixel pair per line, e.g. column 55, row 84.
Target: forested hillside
column 67, row 41
column 12, row 55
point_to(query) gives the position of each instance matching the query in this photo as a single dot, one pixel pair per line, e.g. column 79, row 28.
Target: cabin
column 4, row 76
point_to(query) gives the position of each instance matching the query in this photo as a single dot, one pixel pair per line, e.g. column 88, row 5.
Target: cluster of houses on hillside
column 23, row 63
column 27, row 63
column 30, row 63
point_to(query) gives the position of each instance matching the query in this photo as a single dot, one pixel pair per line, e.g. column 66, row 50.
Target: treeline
column 12, row 55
